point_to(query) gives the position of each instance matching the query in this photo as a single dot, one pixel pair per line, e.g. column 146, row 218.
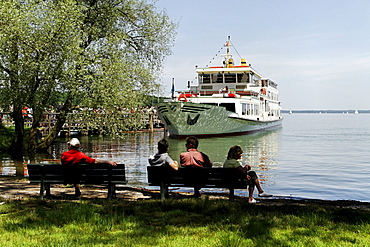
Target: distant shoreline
column 327, row 111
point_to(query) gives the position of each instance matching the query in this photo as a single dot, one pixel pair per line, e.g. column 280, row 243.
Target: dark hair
column 193, row 141
column 233, row 152
column 162, row 146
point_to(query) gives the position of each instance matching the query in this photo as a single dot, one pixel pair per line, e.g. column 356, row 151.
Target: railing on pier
column 74, row 126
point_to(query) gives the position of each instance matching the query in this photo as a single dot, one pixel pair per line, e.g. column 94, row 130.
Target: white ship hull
column 186, row 119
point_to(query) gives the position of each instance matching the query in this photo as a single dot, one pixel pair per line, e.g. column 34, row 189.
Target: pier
column 76, row 127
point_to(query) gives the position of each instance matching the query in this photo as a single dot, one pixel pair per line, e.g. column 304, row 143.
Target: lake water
column 319, row 156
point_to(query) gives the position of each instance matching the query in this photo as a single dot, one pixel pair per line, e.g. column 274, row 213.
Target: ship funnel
column 230, row 63
column 243, row 62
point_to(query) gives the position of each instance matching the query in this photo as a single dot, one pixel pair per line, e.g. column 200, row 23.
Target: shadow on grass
column 147, row 222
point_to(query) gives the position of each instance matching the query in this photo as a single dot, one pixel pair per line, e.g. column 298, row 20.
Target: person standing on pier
column 73, row 157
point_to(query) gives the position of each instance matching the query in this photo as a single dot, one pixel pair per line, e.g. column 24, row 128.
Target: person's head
column 191, row 142
column 74, row 143
column 235, row 152
column 162, row 146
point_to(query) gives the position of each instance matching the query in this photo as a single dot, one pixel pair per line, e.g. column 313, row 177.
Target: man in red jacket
column 74, row 157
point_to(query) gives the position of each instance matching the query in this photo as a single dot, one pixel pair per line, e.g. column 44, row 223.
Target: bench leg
column 111, row 191
column 196, row 192
column 164, row 191
column 47, row 189
column 42, row 188
column 231, row 194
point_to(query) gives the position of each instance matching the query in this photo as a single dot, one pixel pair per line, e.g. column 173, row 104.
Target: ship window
column 229, row 106
column 240, row 86
column 217, row 78
column 256, row 80
column 230, row 78
column 264, row 83
column 244, row 108
column 205, row 78
column 249, row 110
column 243, row 77
column 255, row 109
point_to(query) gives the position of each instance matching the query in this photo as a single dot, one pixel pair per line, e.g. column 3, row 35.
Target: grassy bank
column 187, row 222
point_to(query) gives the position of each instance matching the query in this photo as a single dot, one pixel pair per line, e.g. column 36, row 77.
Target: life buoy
column 24, row 111
column 230, row 95
column 182, row 98
column 263, row 91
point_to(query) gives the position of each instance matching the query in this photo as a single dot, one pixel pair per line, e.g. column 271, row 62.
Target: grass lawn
column 185, row 222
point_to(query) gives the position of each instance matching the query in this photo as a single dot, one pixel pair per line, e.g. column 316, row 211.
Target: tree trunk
column 46, row 143
column 33, row 138
column 16, row 148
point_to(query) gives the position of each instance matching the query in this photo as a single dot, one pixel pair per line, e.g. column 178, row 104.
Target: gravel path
column 13, row 189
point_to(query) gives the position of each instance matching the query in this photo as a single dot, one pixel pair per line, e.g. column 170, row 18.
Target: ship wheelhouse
column 257, row 97
column 239, row 79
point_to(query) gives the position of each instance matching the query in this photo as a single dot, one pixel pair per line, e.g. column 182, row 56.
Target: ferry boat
column 228, row 100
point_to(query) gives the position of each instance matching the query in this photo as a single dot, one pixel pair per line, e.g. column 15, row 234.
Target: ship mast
column 228, row 61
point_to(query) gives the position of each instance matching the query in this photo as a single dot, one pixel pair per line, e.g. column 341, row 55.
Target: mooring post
column 151, row 124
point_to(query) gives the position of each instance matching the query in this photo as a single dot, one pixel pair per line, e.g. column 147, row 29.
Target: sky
column 317, row 51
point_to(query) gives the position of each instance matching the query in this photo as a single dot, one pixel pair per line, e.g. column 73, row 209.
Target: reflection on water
column 9, row 167
column 260, row 151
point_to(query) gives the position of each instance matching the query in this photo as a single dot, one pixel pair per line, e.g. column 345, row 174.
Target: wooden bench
column 205, row 177
column 47, row 174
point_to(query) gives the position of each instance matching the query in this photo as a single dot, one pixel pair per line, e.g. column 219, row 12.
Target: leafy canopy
column 103, row 55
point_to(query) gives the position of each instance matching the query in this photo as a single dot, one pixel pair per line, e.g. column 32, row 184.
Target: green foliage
column 187, row 222
column 38, row 44
column 102, row 55
column 6, row 136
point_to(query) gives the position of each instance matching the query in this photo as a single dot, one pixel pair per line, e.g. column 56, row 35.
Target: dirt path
column 14, row 189
column 19, row 189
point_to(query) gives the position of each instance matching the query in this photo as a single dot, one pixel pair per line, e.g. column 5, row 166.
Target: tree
column 104, row 53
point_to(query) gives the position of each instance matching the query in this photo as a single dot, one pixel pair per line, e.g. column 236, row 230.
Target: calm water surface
column 321, row 156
